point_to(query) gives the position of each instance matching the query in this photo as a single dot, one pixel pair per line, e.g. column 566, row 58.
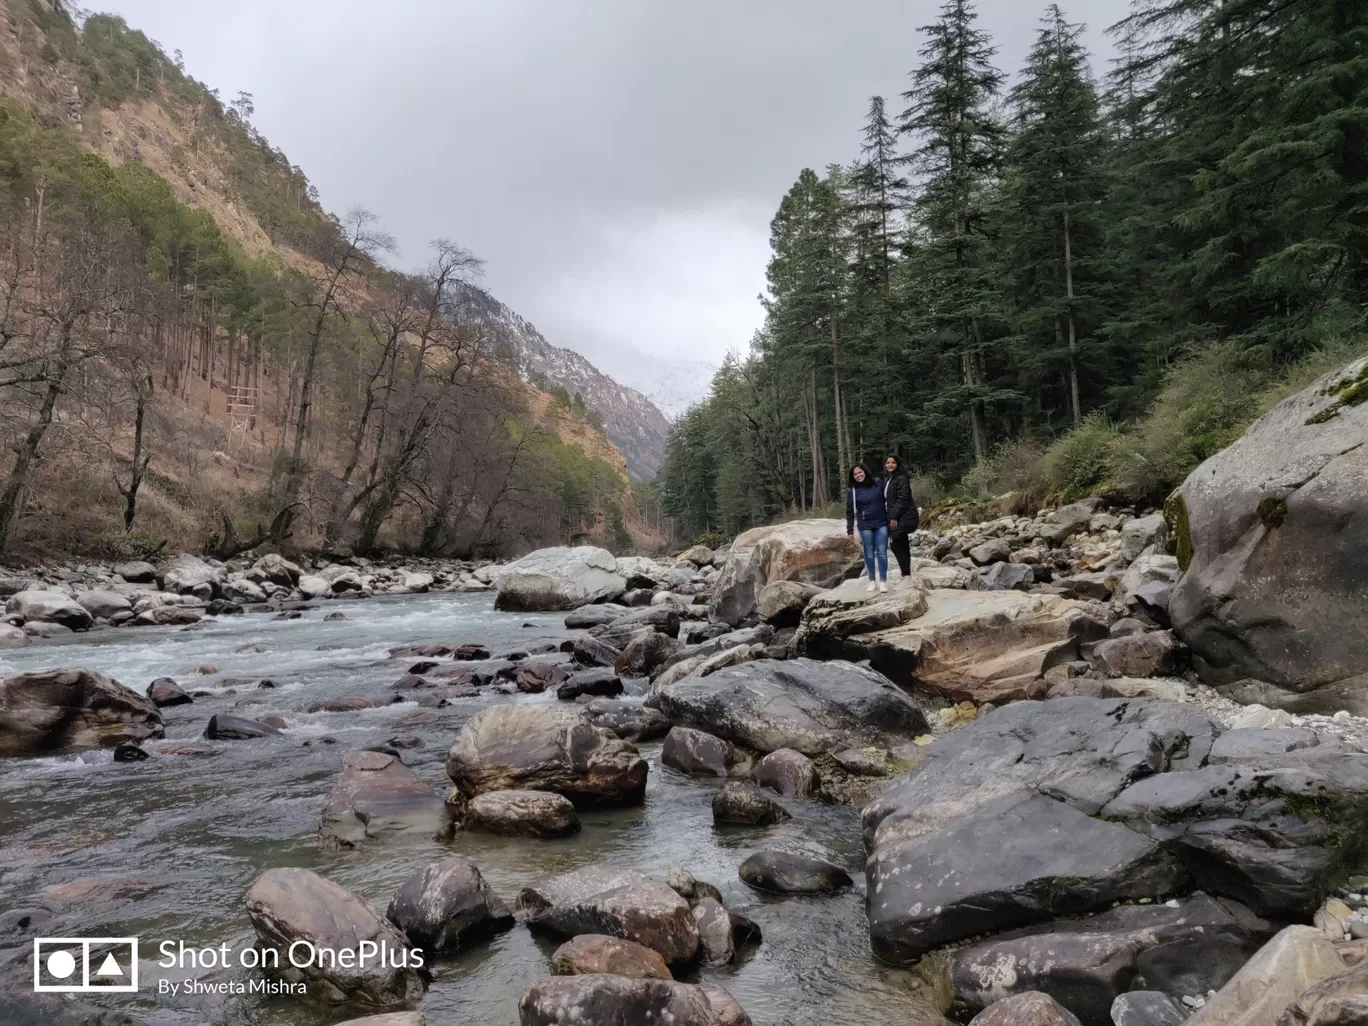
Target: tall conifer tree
column 958, row 147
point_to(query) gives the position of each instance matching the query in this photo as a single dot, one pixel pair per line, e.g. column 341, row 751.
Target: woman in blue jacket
column 865, row 507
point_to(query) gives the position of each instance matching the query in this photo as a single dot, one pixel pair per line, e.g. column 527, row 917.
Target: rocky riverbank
column 1074, row 810
column 53, row 602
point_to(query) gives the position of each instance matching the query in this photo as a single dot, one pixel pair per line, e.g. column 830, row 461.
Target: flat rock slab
column 834, row 615
column 377, row 796
column 976, row 645
column 1042, row 858
column 620, row 903
column 811, row 707
column 1188, row 949
column 1060, row 808
column 545, row 748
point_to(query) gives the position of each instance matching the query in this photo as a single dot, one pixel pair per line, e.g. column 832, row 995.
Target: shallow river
column 165, row 849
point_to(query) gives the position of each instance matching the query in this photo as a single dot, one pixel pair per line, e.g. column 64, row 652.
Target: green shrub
column 1017, row 467
column 1081, row 461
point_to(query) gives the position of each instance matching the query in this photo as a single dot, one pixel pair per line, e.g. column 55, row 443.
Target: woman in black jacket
column 902, row 515
column 865, row 507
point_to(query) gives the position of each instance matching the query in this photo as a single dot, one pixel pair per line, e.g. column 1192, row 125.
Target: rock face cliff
column 1272, row 536
column 630, row 420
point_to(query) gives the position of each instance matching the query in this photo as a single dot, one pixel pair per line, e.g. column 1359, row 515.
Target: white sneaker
column 872, row 588
column 883, row 585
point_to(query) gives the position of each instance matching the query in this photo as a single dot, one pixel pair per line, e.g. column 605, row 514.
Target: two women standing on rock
column 882, row 508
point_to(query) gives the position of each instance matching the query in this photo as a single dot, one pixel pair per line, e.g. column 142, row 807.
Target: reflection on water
column 164, row 849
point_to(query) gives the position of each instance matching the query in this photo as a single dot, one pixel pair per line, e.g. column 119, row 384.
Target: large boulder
column 51, row 711
column 742, row 803
column 603, row 999
column 545, row 748
column 103, row 604
column 834, row 615
column 699, row 753
column 277, row 569
column 136, row 572
column 559, row 578
column 979, row 646
column 1140, row 533
column 1273, row 532
column 12, row 637
column 49, row 607
column 698, row 555
column 290, row 905
column 969, row 842
column 782, row 872
column 628, row 719
column 809, row 706
column 1291, row 963
column 225, row 727
column 1182, row 948
column 787, row 773
column 599, row 953
column 1065, row 522
column 620, row 903
column 815, row 552
column 781, row 603
column 1032, row 1008
column 190, row 575
column 644, row 654
column 522, row 814
column 446, row 904
column 378, row 796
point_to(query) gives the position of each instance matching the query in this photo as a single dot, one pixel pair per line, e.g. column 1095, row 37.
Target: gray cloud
column 616, row 162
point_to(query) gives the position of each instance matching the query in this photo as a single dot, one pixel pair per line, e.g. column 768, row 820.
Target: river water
column 165, row 849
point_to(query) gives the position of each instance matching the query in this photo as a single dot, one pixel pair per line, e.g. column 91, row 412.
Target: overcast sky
column 615, row 162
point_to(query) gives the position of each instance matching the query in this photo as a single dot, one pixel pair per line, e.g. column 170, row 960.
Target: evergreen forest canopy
column 1064, row 286
column 379, row 417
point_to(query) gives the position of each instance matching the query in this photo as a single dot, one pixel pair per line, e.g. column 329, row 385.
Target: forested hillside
column 194, row 353
column 1060, row 282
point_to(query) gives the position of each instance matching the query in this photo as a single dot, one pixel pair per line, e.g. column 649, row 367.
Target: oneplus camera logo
column 85, row 965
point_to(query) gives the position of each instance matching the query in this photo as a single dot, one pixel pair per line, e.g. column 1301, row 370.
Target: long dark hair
column 899, row 468
column 869, row 478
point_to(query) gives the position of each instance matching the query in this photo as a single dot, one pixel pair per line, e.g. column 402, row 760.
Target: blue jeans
column 875, row 545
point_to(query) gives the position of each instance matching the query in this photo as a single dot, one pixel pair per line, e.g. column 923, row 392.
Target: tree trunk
column 140, row 460
column 1073, row 333
column 27, row 450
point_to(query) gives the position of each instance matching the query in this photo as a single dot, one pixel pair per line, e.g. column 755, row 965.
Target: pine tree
column 959, row 142
column 876, row 192
column 1053, row 186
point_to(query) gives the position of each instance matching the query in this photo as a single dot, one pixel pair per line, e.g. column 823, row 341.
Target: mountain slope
column 630, row 420
column 213, row 248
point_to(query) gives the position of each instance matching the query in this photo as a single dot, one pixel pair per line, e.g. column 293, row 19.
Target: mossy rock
column 1272, row 510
